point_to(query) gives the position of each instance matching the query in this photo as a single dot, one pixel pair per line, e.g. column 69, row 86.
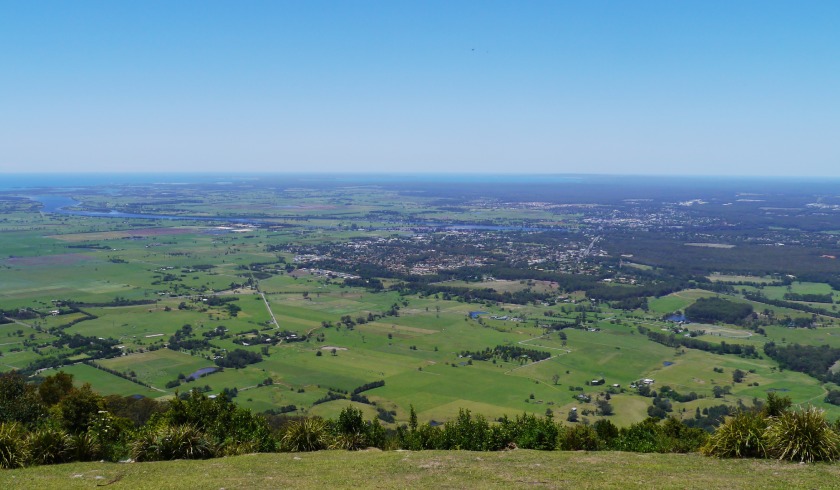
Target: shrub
column 165, row 443
column 803, row 436
column 741, row 435
column 309, row 434
column 223, row 423
column 606, row 430
column 50, row 445
column 579, row 437
column 14, row 452
column 641, row 437
column 352, row 432
column 86, row 447
column 528, row 432
column 680, row 438
column 467, row 433
column 420, row 437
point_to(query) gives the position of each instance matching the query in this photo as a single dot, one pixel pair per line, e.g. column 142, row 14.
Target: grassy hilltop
column 433, row 469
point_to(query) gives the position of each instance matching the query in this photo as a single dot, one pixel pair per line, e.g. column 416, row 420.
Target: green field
column 138, row 283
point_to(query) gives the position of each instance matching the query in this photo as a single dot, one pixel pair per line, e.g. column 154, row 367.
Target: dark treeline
column 368, row 386
column 238, row 358
column 811, row 360
column 668, row 251
column 713, row 310
column 672, row 340
column 810, row 298
column 507, row 353
column 760, row 298
column 117, row 301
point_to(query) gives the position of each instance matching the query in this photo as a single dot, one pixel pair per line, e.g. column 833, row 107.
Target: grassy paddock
column 433, row 469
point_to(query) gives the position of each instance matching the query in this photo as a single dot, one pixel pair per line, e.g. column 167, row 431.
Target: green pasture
column 17, row 360
column 778, row 292
column 157, row 367
column 103, row 382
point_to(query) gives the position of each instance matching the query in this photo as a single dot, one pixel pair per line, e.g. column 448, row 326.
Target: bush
column 680, row 438
column 527, row 432
column 309, row 434
column 418, row 437
column 741, row 435
column 50, row 445
column 112, row 434
column 227, row 426
column 86, row 447
column 606, row 430
column 166, row 443
column 579, row 438
column 641, row 437
column 352, row 432
column 467, row 433
column 14, row 452
column 803, row 436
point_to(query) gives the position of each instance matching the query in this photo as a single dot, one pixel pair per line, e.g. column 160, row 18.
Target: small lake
column 202, row 372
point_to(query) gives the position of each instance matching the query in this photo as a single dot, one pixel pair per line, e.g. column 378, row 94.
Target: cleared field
column 104, row 382
column 158, row 367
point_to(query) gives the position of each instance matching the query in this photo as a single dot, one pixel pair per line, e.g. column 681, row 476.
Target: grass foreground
column 433, row 469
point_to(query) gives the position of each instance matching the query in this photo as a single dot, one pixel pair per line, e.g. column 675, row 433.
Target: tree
column 572, row 416
column 604, row 407
column 79, row 408
column 555, row 378
column 776, row 405
column 738, row 376
column 19, row 400
column 54, row 388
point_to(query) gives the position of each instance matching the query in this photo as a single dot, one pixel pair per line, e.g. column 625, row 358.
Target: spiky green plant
column 165, row 443
column 86, row 447
column 349, row 442
column 740, row 436
column 50, row 445
column 237, row 448
column 309, row 434
column 185, row 442
column 14, row 452
column 803, row 435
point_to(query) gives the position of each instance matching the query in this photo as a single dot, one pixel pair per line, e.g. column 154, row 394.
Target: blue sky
column 645, row 87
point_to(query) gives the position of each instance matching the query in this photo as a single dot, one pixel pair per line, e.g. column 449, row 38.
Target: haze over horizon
column 654, row 88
